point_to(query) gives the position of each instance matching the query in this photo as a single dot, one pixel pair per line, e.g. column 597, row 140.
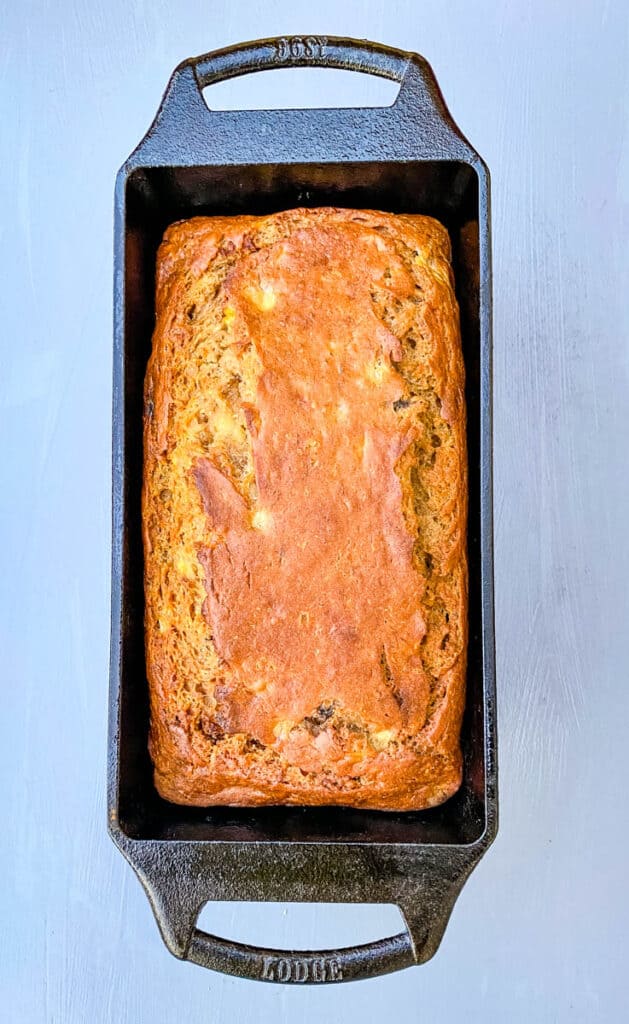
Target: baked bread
column 304, row 512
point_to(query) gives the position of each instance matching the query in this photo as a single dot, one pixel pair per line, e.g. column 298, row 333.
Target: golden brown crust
column 304, row 512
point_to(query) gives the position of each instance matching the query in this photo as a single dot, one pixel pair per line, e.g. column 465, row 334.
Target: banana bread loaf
column 304, row 512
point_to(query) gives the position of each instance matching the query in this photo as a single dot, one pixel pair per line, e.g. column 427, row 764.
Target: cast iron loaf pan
column 409, row 157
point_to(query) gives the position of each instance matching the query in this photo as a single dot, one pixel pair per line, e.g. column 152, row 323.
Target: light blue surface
column 540, row 931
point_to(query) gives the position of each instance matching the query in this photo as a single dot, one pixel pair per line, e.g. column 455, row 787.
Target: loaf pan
column 409, row 157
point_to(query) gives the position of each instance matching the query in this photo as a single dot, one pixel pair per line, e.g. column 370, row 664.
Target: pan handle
column 300, row 51
column 185, row 131
column 302, row 966
column 425, row 896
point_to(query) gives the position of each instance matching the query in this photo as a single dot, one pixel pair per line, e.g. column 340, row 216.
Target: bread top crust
column 304, row 511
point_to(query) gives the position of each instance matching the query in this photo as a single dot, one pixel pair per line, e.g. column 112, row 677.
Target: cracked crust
column 304, row 512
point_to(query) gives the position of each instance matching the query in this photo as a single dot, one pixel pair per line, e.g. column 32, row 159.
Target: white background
column 540, row 931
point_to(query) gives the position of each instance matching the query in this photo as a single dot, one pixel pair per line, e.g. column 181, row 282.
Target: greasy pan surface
column 406, row 158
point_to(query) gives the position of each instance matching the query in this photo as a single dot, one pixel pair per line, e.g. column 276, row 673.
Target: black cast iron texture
column 408, row 157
